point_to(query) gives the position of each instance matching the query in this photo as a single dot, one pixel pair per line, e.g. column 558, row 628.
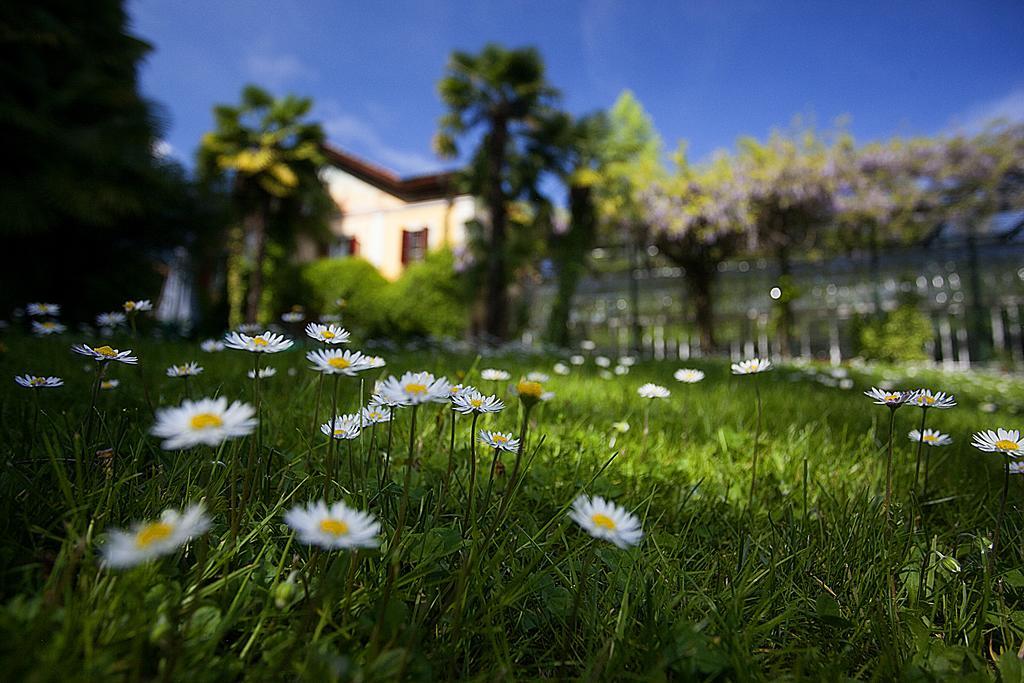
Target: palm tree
column 582, row 145
column 271, row 157
column 504, row 94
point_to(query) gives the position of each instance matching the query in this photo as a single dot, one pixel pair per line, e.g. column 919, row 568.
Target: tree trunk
column 785, row 320
column 571, row 253
column 496, row 315
column 699, row 282
column 256, row 234
column 634, row 293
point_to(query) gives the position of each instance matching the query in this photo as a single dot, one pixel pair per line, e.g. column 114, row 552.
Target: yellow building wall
column 376, row 219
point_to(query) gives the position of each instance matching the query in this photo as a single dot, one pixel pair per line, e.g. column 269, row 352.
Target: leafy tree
column 270, row 157
column 80, row 178
column 503, row 96
column 789, row 186
column 698, row 219
column 631, row 154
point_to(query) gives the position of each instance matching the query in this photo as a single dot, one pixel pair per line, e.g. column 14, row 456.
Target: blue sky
column 707, row 72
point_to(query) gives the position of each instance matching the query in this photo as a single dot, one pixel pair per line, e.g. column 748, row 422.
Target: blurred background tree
column 89, row 203
column 503, row 97
column 269, row 156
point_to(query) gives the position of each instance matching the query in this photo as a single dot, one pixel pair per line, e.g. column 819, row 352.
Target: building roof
column 410, row 189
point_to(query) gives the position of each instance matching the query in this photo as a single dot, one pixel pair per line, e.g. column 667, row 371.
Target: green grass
column 811, row 583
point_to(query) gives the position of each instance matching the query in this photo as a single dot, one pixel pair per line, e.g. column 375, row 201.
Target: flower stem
column 1002, row 513
column 470, row 512
column 888, row 463
column 330, row 434
column 920, row 447
column 403, row 507
column 757, row 447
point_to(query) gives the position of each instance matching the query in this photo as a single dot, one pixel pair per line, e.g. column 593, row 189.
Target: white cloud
column 276, row 71
column 1009, row 107
column 355, row 134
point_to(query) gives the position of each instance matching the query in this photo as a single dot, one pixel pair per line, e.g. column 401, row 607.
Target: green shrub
column 902, row 335
column 429, row 299
column 353, row 287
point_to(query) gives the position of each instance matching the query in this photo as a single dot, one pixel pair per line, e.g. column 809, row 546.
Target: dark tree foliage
column 84, row 198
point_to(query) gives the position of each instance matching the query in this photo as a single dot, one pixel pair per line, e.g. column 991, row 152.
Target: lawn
column 813, row 580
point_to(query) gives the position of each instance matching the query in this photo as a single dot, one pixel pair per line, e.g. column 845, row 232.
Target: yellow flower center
column 339, row 432
column 476, row 402
column 930, row 438
column 891, row 397
column 129, row 305
column 1007, row 445
column 206, row 420
column 499, row 438
column 107, row 384
column 928, row 399
column 151, row 533
column 260, row 341
column 530, row 389
column 334, row 527
column 327, row 334
column 105, row 351
column 49, row 325
column 37, row 381
column 603, row 521
column 182, row 368
column 415, row 388
column 339, row 363
column 753, row 365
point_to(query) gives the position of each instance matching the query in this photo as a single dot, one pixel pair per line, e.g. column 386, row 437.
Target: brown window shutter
column 405, row 247
column 353, row 246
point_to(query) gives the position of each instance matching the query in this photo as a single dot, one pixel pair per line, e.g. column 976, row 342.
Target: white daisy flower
column 34, row 382
column 577, row 360
column 38, row 309
column 472, row 401
column 250, row 328
column 372, row 414
column 500, row 441
column 1017, row 467
column 561, row 369
column 924, row 398
column 333, row 527
column 603, row 362
column 620, row 427
column 588, row 345
column 628, row 361
column 212, row 345
column 293, row 316
column 688, row 375
column 47, row 328
column 932, row 437
column 652, row 391
column 328, row 334
column 1006, row 441
column 208, row 421
column 621, row 370
column 343, row 427
column 264, row 373
column 413, row 388
column 186, row 370
column 149, row 540
column 752, row 366
column 109, row 384
column 456, row 389
column 103, row 354
column 607, row 521
column 137, row 306
column 495, row 375
column 266, row 342
column 537, row 377
column 375, row 361
column 112, row 319
column 330, row 318
column 337, row 362
column 893, row 399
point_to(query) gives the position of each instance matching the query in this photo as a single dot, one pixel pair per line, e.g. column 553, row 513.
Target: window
column 414, row 245
column 345, row 246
